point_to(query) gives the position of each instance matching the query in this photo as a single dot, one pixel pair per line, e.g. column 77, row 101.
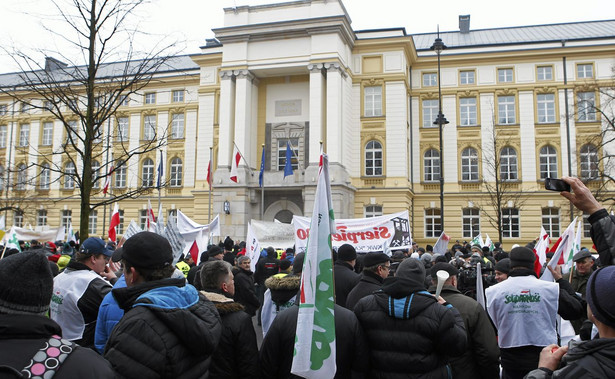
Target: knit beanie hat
column 298, row 263
column 346, row 253
column 503, row 266
column 26, row 284
column 522, row 257
column 600, row 287
column 411, row 269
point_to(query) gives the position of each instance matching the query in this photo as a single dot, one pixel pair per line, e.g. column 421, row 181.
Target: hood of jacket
column 178, row 307
column 602, row 351
column 283, row 289
column 224, row 305
column 399, row 298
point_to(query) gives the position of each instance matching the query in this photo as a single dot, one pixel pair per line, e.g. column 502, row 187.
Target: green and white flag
column 12, row 241
column 314, row 353
column 489, row 243
column 478, row 240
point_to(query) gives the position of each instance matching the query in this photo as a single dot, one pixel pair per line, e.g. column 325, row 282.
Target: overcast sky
column 191, row 21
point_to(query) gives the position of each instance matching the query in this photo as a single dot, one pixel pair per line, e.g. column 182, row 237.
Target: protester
column 351, row 350
column 245, row 293
column 30, row 343
column 482, row 357
column 281, row 293
column 285, row 267
column 169, row 330
column 588, row 359
column 410, row 333
column 267, row 266
column 502, row 269
column 79, row 290
column 237, row 352
column 584, row 264
column 229, row 256
column 343, row 273
column 376, row 269
column 602, row 229
column 523, row 309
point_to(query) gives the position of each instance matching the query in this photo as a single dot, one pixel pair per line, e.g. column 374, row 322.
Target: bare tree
column 85, row 93
column 501, row 186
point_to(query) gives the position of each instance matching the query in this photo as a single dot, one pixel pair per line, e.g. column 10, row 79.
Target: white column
column 334, row 100
column 243, row 114
column 227, row 119
column 317, row 101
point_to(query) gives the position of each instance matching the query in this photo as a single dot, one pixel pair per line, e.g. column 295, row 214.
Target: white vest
column 68, row 288
column 524, row 310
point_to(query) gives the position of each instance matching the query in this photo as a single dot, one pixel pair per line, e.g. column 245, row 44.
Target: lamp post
column 438, row 46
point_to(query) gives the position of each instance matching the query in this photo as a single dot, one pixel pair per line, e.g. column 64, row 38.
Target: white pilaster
column 243, row 114
column 334, row 112
column 227, row 119
column 317, row 101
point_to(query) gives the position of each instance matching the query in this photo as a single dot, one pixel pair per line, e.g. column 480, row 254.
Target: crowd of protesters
column 92, row 310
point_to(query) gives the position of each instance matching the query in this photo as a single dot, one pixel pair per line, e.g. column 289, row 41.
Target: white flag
column 253, row 248
column 553, row 262
column 441, row 245
column 480, row 291
column 314, row 354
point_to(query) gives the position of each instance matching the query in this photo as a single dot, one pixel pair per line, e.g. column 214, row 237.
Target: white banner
column 253, row 248
column 175, row 239
column 276, row 234
column 384, row 233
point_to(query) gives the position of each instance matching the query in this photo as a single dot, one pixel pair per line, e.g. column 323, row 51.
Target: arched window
column 147, row 173
column 45, row 177
column 431, row 165
column 508, row 164
column 176, row 172
column 21, row 177
column 95, row 174
column 589, row 161
column 469, row 164
column 548, row 162
column 120, row 174
column 373, row 158
column 69, row 175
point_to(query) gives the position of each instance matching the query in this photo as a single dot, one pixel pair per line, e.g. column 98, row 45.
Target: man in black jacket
column 237, row 352
column 245, row 293
column 482, row 358
column 343, row 273
column 26, row 284
column 267, row 266
column 376, row 267
column 169, row 329
column 411, row 334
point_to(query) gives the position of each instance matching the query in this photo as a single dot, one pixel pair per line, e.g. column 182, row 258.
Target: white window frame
column 586, row 106
column 69, row 179
column 72, row 131
column 547, row 157
column 469, row 165
column 176, row 172
column 95, row 174
column 373, row 211
column 3, row 134
column 585, row 71
column 281, row 153
column 373, row 101
column 177, row 125
column 122, row 129
column 467, row 111
column 430, row 79
column 374, row 162
column 93, row 222
column 430, row 113
column 544, row 73
column 511, row 226
column 143, row 219
column 545, row 103
column 24, row 135
column 509, row 164
column 18, row 218
column 506, row 110
column 66, row 218
column 470, row 221
column 588, row 162
column 467, row 77
column 505, row 75
column 149, row 127
column 47, row 137
column 178, row 96
column 120, row 227
column 120, row 175
column 147, row 173
column 433, row 223
column 431, row 165
column 41, row 217
column 21, row 177
column 550, row 221
column 45, row 177
column 150, row 98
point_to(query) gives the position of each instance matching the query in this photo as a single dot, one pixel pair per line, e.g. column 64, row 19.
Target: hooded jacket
column 244, row 291
column 237, row 352
column 281, row 294
column 169, row 330
column 602, row 233
column 590, row 359
column 410, row 335
column 21, row 336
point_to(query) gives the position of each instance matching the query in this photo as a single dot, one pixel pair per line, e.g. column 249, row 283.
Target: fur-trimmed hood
column 283, row 289
column 224, row 305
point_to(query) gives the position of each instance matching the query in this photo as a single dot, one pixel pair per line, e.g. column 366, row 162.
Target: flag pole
column 209, row 183
column 244, row 159
column 3, row 250
column 160, row 180
column 263, row 192
column 108, row 174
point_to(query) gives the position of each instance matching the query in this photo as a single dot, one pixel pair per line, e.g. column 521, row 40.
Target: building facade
column 297, row 73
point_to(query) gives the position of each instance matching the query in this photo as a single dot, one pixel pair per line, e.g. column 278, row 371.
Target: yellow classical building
column 519, row 101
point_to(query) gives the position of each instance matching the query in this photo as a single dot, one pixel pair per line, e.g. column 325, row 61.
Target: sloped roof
column 519, row 35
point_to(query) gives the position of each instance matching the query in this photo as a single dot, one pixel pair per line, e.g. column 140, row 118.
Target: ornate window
column 469, row 165
column 176, row 172
column 589, row 162
column 471, row 222
column 431, row 165
column 550, row 221
column 147, row 173
column 510, row 223
column 508, row 164
column 373, row 158
column 548, row 162
column 433, row 223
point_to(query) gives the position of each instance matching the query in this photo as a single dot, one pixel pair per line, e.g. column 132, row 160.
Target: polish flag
column 209, row 175
column 107, row 181
column 235, row 163
column 115, row 221
column 541, row 251
column 151, row 219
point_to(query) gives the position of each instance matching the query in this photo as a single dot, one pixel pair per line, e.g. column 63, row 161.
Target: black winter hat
column 147, row 250
column 522, row 257
column 413, row 270
column 600, row 287
column 26, row 284
column 346, row 253
column 228, row 243
column 298, row 263
column 503, row 265
column 373, row 259
column 452, row 271
column 214, row 250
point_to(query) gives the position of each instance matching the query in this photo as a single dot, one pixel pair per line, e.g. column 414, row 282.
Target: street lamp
column 438, row 46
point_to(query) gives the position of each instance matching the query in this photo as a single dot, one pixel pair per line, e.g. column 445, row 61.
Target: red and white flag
column 151, row 219
column 235, row 163
column 115, row 221
column 107, row 181
column 209, row 174
column 441, row 244
column 541, row 251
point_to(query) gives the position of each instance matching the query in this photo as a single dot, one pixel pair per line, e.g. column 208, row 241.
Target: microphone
column 442, row 277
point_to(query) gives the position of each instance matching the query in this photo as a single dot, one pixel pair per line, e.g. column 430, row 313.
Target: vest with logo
column 524, row 310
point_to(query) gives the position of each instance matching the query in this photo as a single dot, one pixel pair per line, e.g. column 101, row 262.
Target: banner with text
column 383, row 233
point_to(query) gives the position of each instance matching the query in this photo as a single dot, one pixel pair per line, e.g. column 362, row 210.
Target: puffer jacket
column 345, row 280
column 351, row 350
column 21, row 336
column 237, row 352
column 481, row 359
column 281, row 294
column 169, row 330
column 368, row 284
column 244, row 291
column 589, row 360
column 410, row 335
column 602, row 233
